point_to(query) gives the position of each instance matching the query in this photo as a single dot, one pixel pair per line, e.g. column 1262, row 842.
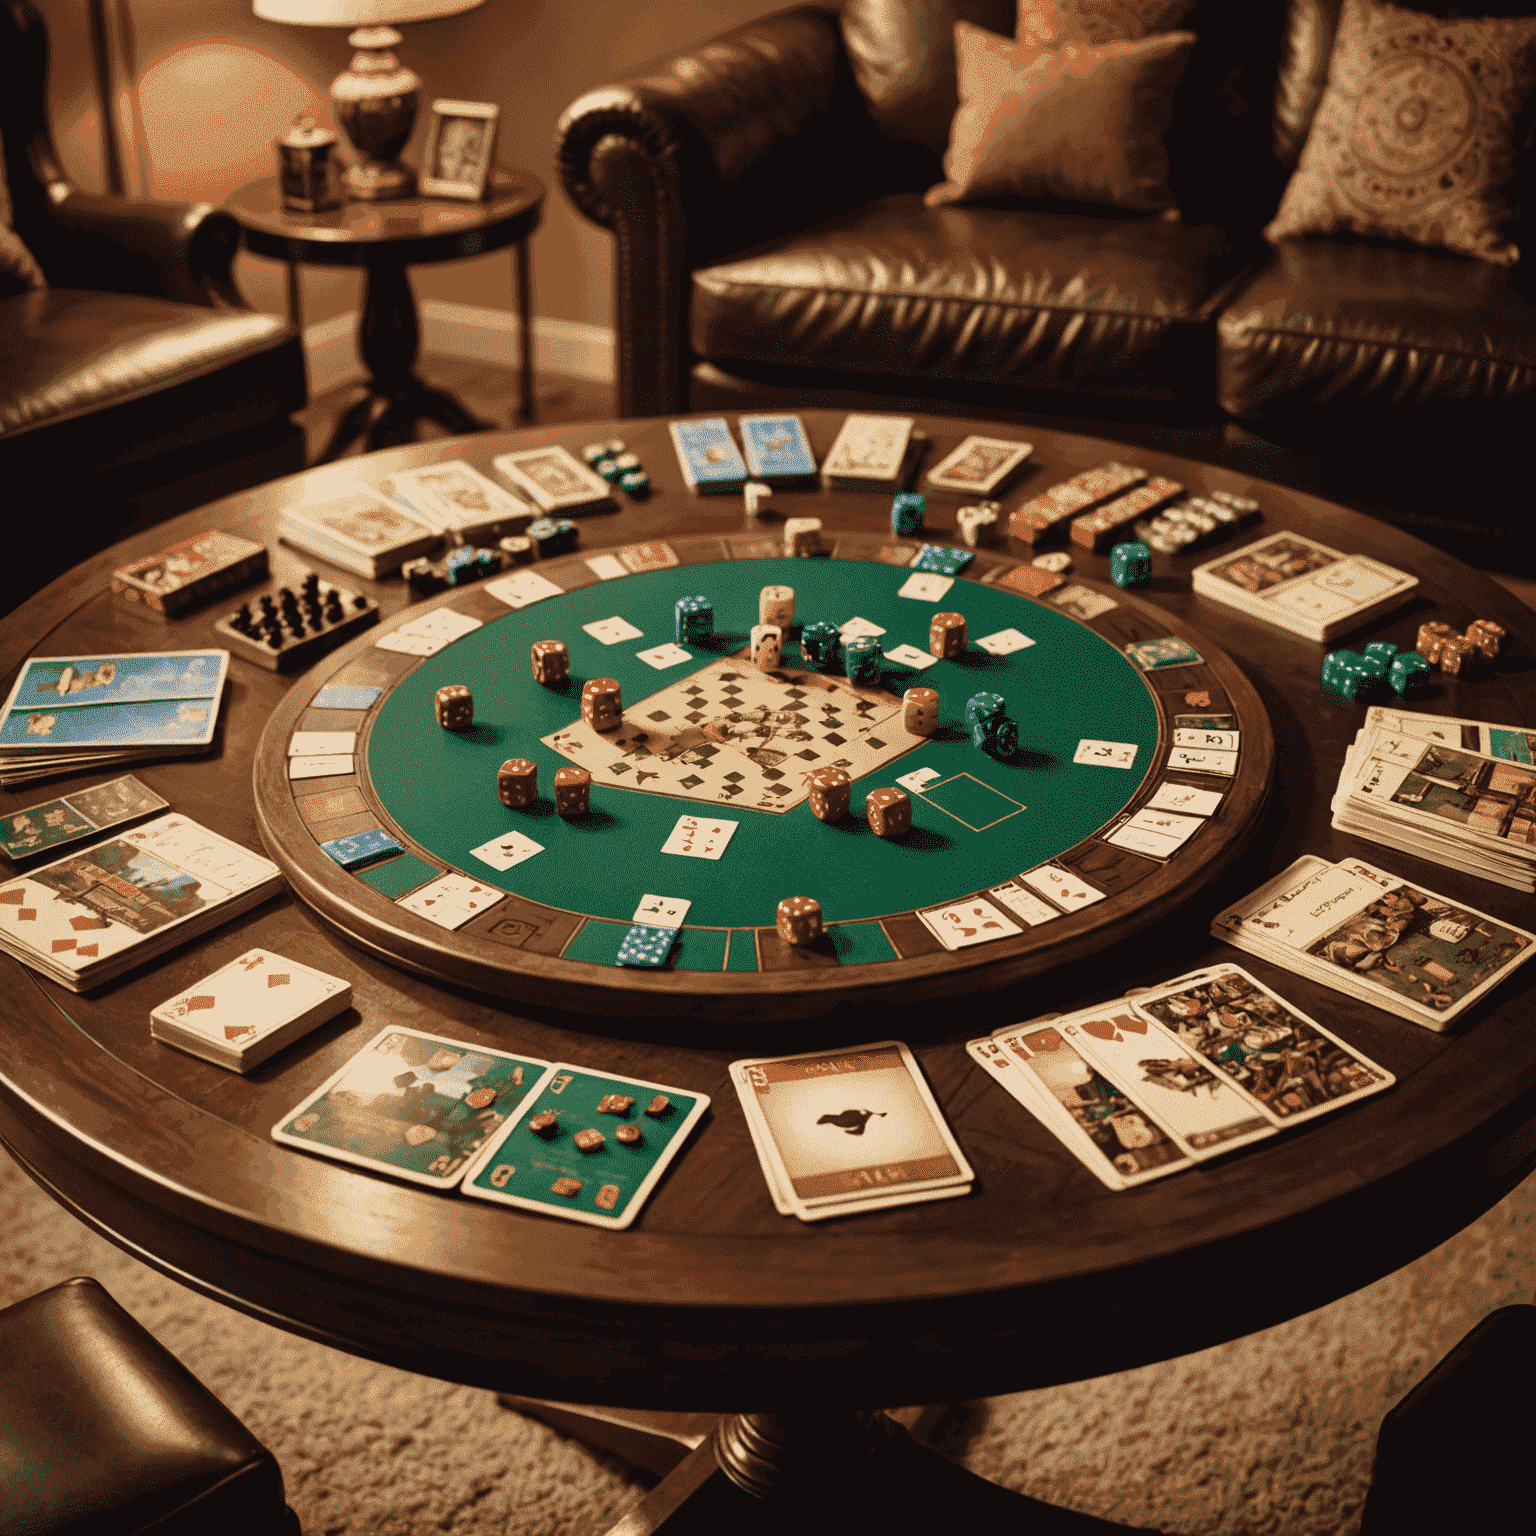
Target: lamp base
column 375, row 104
column 378, row 181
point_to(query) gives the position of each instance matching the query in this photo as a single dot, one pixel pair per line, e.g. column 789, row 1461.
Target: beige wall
column 216, row 84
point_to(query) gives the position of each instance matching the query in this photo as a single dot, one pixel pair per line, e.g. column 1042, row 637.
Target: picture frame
column 461, row 148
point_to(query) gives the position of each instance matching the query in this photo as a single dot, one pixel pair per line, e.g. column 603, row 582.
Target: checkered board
column 730, row 734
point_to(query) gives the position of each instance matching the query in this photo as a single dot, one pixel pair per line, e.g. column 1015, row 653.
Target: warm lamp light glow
column 358, row 13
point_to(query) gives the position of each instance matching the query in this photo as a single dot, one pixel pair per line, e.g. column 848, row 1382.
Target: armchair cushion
column 19, row 270
column 1003, row 296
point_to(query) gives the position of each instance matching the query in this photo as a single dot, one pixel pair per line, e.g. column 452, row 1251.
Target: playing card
column 429, row 634
column 362, row 848
column 943, row 560
column 1070, row 892
column 1155, row 655
column 1181, row 797
column 507, row 851
column 611, row 631
column 1081, row 602
column 916, row 781
column 1159, row 833
column 663, row 656
column 1005, row 642
column 181, row 723
column 1222, row 741
column 654, row 556
column 708, row 455
column 925, row 586
column 318, row 767
column 856, row 627
column 662, row 911
column 777, row 448
column 80, row 814
column 559, row 1167
column 910, row 656
column 961, row 924
column 979, row 465
column 699, row 837
column 869, row 448
column 606, row 567
column 1105, row 754
column 344, row 696
column 521, row 588
column 1024, row 904
column 456, row 498
column 845, row 1126
column 451, row 901
column 134, row 677
column 1197, row 760
column 413, row 1105
column 554, row 479
column 322, row 743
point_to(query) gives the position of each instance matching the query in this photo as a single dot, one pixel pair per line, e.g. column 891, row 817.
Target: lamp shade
column 358, row 13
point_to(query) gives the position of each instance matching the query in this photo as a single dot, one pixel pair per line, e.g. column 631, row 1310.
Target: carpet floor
column 1270, row 1434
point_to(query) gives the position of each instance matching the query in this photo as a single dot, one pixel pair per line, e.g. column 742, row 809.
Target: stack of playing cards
column 872, row 453
column 1405, row 785
column 249, row 1010
column 1303, row 586
column 778, row 450
column 362, row 532
column 458, row 503
column 90, row 916
column 1192, row 1069
column 71, row 713
column 708, row 455
column 839, row 1132
column 980, row 466
column 176, row 580
column 555, row 480
column 50, row 824
column 1383, row 940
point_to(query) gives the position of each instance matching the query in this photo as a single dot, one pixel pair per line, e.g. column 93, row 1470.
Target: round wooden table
column 711, row 1300
column 385, row 238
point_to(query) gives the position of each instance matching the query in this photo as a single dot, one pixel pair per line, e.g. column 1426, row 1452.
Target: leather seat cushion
column 107, row 378
column 1019, row 298
column 1349, row 330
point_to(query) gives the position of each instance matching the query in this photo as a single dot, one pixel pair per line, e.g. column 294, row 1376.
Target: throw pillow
column 19, row 270
column 1082, row 124
column 1050, row 23
column 1414, row 138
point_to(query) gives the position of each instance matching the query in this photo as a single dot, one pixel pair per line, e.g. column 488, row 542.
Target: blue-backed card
column 362, row 848
column 708, row 455
column 184, row 723
column 413, row 1105
column 777, row 448
column 589, row 1146
column 51, row 683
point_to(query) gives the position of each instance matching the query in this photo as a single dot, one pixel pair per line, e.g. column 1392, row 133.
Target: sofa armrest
column 753, row 135
column 164, row 250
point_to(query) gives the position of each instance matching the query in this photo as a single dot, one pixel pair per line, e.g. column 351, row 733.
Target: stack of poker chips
column 618, row 466
column 1197, row 521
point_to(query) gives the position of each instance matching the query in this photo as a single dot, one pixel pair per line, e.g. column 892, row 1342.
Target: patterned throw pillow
column 1414, row 138
column 1078, row 123
column 1050, row 23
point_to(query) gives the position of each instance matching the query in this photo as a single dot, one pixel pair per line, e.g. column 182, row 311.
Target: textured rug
column 1272, row 1434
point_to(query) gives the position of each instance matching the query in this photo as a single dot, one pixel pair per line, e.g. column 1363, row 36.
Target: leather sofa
column 772, row 247
column 137, row 383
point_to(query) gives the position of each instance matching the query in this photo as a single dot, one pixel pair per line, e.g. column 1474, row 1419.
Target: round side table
column 385, row 238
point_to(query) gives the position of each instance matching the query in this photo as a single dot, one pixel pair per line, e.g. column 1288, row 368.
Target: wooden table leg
column 527, row 400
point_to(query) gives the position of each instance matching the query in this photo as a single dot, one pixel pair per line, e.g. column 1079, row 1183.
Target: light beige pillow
column 1414, row 138
column 1084, row 124
column 1050, row 23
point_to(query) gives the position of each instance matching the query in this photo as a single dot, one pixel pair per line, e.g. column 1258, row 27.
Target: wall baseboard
column 568, row 347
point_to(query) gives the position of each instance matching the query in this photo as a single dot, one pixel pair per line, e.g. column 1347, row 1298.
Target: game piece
column 1487, row 636
column 767, row 643
column 1043, row 516
column 625, row 462
column 1378, row 658
column 1432, row 635
column 1457, row 654
column 977, row 525
column 1130, row 565
column 753, row 494
column 607, row 467
column 946, row 635
column 554, row 480
column 869, row 453
column 595, row 451
column 638, row 485
column 907, row 510
column 861, row 661
column 545, row 1125
column 454, row 706
column 589, row 1141
column 1005, row 737
column 615, row 1104
column 553, row 536
column 1409, row 673
column 1093, row 530
column 630, row 1136
column 362, row 848
column 602, row 703
column 289, row 629
column 831, row 794
column 888, row 811
column 566, row 1185
column 518, row 549
column 979, row 466
column 362, row 532
column 820, row 643
column 551, row 662
column 798, row 920
column 1344, row 674
column 802, row 535
column 777, row 449
column 984, row 706
column 517, row 783
column 693, row 619
column 920, row 711
column 708, row 455
column 776, row 605
column 1058, row 561
column 1029, row 581
column 942, row 560
column 659, row 1107
column 573, row 791
column 422, row 577
column 183, row 577
column 471, row 563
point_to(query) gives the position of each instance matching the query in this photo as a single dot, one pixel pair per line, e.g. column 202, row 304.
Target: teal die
column 1378, row 659
column 1130, row 564
column 1005, row 737
column 984, row 706
column 1408, row 673
column 942, row 560
column 646, row 946
column 907, row 509
column 861, row 661
column 820, row 643
column 693, row 619
column 1345, row 674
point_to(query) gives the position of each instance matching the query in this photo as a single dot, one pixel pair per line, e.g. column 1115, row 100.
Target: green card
column 412, row 1105
column 557, row 1165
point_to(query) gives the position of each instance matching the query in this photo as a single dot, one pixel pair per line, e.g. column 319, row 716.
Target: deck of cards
column 1302, row 586
column 555, row 480
column 980, row 466
column 778, row 450
column 457, row 502
column 250, row 1010
column 871, row 453
column 1404, row 785
column 363, row 532
column 1373, row 936
column 710, row 460
column 839, row 1132
column 84, row 813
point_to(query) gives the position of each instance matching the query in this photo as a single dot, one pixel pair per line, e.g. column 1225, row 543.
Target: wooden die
column 799, row 920
column 1457, row 654
column 455, row 707
column 1487, row 636
column 802, row 535
column 889, row 812
column 946, row 635
column 573, row 791
column 551, row 662
column 977, row 524
column 831, row 794
column 920, row 711
column 602, row 703
column 776, row 605
column 517, row 783
column 1432, row 636
column 767, row 647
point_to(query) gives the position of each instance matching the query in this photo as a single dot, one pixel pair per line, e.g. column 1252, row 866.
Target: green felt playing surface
column 440, row 786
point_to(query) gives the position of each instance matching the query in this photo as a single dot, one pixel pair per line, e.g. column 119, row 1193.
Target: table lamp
column 375, row 97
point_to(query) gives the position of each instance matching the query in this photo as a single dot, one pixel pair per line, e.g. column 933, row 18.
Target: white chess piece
column 754, row 493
